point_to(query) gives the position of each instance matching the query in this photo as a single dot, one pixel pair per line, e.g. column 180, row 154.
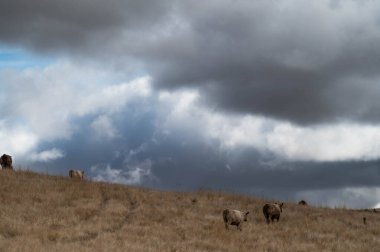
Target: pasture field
column 52, row 213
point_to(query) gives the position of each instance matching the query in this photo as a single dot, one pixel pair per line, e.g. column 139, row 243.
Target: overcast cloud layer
column 293, row 60
column 275, row 98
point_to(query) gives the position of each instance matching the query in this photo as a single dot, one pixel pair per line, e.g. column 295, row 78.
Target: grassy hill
column 51, row 213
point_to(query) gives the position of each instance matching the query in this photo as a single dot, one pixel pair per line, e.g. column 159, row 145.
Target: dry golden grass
column 51, row 213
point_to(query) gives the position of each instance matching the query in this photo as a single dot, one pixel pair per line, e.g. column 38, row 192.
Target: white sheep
column 234, row 217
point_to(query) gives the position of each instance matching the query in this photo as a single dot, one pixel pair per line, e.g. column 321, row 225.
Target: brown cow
column 6, row 161
column 234, row 217
column 76, row 174
column 272, row 211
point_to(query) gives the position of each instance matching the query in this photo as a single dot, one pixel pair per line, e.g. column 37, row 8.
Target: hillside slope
column 50, row 213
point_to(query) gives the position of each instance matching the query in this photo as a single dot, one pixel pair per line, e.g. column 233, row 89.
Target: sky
column 276, row 98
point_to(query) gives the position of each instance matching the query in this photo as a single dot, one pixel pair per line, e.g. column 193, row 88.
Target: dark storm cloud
column 205, row 168
column 283, row 64
column 294, row 60
column 73, row 26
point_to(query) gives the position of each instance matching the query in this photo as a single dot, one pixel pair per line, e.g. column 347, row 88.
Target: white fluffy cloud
column 103, row 128
column 16, row 140
column 41, row 104
column 47, row 155
column 133, row 175
column 48, row 98
column 336, row 142
column 112, row 97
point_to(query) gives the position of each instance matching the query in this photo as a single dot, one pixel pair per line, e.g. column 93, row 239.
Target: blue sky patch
column 20, row 59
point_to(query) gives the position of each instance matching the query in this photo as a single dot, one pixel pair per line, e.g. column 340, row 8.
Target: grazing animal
column 234, row 217
column 272, row 211
column 6, row 161
column 76, row 174
column 302, row 202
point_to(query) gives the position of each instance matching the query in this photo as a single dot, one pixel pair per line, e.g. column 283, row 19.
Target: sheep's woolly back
column 233, row 216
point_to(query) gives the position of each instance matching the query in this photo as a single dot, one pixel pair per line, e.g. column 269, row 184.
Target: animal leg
column 266, row 218
column 226, row 225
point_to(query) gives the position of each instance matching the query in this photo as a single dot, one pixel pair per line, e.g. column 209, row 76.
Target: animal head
column 280, row 205
column 245, row 215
